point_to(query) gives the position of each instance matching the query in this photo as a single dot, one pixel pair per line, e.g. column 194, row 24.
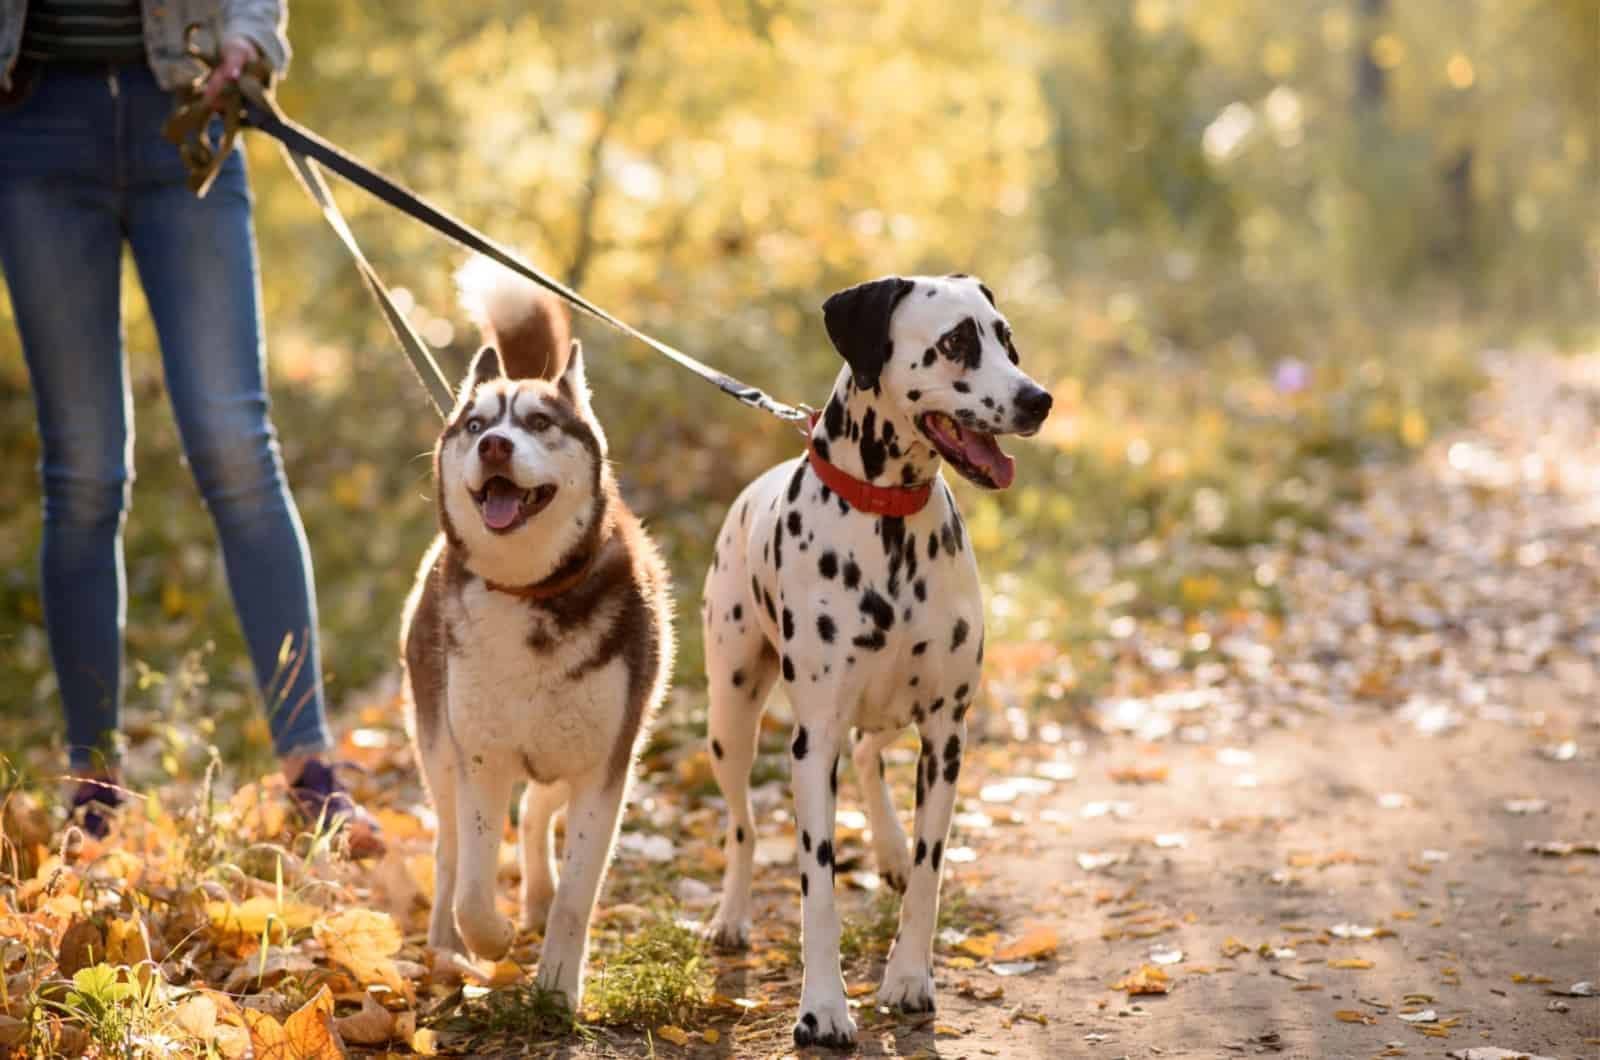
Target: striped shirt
column 84, row 30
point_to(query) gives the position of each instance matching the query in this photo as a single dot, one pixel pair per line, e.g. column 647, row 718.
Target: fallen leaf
column 425, row 1042
column 1425, row 1016
column 365, row 942
column 1009, row 968
column 1147, row 980
column 1350, row 1015
column 1489, row 1052
column 711, row 1035
column 676, row 1035
column 82, row 945
column 1525, row 807
column 1040, row 942
column 306, row 1035
column 373, row 1025
column 1350, row 962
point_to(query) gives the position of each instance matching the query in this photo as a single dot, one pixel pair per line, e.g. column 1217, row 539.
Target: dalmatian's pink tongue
column 502, row 503
column 984, row 451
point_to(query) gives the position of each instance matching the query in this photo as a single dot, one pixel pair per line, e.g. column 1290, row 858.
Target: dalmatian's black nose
column 1033, row 404
column 494, row 449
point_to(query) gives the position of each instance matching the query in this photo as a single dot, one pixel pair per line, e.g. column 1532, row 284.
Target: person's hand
column 237, row 53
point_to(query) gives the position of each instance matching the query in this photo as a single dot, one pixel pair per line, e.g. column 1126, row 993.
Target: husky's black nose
column 494, row 449
column 1033, row 404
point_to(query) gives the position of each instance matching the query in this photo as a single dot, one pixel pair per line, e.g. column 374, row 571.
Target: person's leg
column 196, row 262
column 61, row 253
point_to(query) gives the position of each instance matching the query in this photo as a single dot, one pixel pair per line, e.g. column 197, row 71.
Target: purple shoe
column 93, row 805
column 323, row 803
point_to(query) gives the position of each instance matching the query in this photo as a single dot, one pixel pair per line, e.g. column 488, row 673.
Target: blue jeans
column 83, row 170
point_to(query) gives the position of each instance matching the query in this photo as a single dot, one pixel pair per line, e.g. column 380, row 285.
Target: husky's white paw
column 909, row 991
column 728, row 932
column 825, row 1022
column 487, row 934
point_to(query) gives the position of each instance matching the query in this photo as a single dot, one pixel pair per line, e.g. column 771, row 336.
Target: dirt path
column 1318, row 834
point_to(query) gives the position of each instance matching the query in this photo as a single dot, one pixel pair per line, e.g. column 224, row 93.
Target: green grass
column 660, row 976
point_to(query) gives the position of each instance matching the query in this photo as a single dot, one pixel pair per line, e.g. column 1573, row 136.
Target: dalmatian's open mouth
column 975, row 454
column 505, row 505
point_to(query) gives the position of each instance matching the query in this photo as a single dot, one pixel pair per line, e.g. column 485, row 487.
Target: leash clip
column 189, row 126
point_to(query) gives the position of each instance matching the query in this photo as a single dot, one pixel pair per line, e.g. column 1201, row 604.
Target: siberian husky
column 537, row 639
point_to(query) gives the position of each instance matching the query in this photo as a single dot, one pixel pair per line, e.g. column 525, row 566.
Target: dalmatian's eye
column 539, row 422
column 475, row 425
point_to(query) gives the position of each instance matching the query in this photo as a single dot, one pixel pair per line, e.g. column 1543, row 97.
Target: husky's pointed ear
column 574, row 386
column 857, row 320
column 485, row 366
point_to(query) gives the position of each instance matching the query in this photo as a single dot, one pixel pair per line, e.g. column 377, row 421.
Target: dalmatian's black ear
column 857, row 320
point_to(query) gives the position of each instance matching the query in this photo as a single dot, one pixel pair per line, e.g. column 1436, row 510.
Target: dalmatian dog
column 847, row 573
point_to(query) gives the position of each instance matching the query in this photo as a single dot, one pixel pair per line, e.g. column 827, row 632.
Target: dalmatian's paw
column 907, row 991
column 826, row 1023
column 894, row 865
column 728, row 933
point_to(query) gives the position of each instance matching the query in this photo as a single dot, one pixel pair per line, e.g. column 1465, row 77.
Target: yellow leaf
column 962, row 962
column 1349, row 962
column 1147, row 980
column 1040, row 942
column 425, row 1043
column 1233, row 947
column 979, row 946
column 1347, row 1015
column 364, row 941
column 711, row 1035
column 945, row 1028
column 860, row 989
column 306, row 1035
column 255, row 915
column 676, row 1035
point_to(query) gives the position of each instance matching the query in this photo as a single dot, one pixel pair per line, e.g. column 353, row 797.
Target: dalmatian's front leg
column 908, row 977
column 824, row 1010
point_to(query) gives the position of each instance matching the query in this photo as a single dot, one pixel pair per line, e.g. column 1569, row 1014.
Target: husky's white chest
column 519, row 685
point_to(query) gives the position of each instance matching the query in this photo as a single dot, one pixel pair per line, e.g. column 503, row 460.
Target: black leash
column 249, row 102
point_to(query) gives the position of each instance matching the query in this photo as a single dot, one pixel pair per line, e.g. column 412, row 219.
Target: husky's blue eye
column 474, row 425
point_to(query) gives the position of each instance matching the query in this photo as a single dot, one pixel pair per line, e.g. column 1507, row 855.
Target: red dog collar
column 897, row 501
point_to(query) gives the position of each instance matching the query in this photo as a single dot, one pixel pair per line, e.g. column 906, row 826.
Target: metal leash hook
column 189, row 127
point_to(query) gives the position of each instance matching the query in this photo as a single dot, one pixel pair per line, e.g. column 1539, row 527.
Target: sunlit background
column 1250, row 244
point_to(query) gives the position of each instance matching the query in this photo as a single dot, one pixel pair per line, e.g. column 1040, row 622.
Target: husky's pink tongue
column 502, row 503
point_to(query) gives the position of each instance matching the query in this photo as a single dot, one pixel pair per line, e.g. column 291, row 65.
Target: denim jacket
column 262, row 22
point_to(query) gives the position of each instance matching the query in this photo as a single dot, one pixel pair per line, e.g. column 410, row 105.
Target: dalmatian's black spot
column 788, row 624
column 938, row 851
column 821, row 446
column 825, row 628
column 916, row 713
column 833, row 778
column 825, row 853
column 788, row 669
column 919, row 647
column 922, row 852
column 958, row 635
column 960, row 711
column 878, row 609
column 772, row 609
column 805, row 885
column 961, row 387
column 952, row 769
column 920, row 589
column 920, row 791
column 793, row 523
column 908, row 474
column 933, row 772
column 952, row 748
column 777, row 547
column 799, row 748
column 795, row 482
column 913, row 395
column 805, row 840
column 928, row 357
column 855, row 431
column 852, row 574
column 873, row 454
column 716, row 748
column 916, row 679
column 738, row 834
column 987, row 293
column 873, row 641
column 738, row 678
column 828, row 564
column 755, row 588
column 963, row 344
column 988, row 402
column 961, row 691
column 833, row 419
column 947, row 537
column 738, row 612
column 936, row 706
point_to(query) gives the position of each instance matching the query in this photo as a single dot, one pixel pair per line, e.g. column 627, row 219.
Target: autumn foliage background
column 1249, row 244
